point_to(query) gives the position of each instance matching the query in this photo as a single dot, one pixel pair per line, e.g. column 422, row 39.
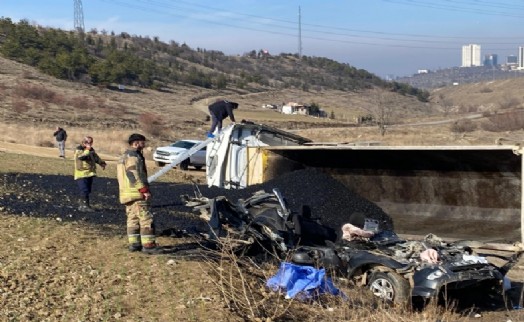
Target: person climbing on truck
column 219, row 111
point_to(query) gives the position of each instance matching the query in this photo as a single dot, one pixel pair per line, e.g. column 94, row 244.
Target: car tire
column 160, row 164
column 198, row 167
column 390, row 287
column 184, row 165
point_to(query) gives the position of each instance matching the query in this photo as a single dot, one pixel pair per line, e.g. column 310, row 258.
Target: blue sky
column 385, row 37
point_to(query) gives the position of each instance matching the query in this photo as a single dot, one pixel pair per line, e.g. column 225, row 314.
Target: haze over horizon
column 385, row 37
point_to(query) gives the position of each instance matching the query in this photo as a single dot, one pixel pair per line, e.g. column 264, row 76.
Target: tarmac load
column 329, row 200
column 53, row 196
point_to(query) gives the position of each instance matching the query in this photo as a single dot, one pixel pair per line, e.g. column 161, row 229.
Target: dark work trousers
column 84, row 186
column 215, row 122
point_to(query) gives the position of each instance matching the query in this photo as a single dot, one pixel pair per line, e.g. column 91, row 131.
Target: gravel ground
column 55, row 196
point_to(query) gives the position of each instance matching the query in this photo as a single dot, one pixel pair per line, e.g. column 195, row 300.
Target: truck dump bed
column 470, row 192
column 462, row 192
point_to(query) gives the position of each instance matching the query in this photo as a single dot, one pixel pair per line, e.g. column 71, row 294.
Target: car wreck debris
column 393, row 268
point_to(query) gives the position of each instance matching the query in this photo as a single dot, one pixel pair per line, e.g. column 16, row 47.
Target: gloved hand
column 145, row 193
column 103, row 165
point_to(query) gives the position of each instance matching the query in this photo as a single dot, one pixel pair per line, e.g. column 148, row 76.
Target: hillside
column 102, row 59
column 168, row 87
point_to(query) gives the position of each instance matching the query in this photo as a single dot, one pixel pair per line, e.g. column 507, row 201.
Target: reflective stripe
column 132, row 239
column 147, row 239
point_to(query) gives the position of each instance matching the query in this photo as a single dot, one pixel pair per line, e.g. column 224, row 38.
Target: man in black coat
column 61, row 137
column 218, row 111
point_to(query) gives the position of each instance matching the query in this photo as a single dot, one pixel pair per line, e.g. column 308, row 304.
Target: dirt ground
column 60, row 265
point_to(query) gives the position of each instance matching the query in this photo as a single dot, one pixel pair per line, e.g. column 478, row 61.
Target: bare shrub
column 512, row 121
column 58, row 99
column 486, row 90
column 509, row 103
column 101, row 103
column 35, row 92
column 241, row 284
column 45, row 143
column 468, row 109
column 27, row 75
column 20, row 106
column 81, row 102
column 151, row 123
column 462, row 126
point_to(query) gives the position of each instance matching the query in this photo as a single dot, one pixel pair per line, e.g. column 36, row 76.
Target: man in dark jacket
column 61, row 137
column 218, row 111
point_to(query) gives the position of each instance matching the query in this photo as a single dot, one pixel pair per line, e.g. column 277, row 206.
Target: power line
column 299, row 34
column 154, row 6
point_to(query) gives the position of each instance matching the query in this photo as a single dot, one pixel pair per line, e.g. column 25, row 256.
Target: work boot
column 135, row 247
column 84, row 208
column 84, row 205
column 152, row 249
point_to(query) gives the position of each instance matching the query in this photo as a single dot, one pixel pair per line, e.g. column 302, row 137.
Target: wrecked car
column 262, row 222
column 396, row 270
column 392, row 268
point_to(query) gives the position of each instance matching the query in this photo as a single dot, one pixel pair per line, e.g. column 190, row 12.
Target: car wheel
column 160, row 164
column 390, row 287
column 184, row 165
column 198, row 167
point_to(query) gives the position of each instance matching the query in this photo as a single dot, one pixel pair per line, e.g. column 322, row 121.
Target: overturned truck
column 466, row 192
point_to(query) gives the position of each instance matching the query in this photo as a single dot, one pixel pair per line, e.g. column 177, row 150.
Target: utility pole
column 299, row 34
column 79, row 17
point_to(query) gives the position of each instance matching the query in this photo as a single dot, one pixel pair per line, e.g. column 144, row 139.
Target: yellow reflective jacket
column 132, row 176
column 85, row 162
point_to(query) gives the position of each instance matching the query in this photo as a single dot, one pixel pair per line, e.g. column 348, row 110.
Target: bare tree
column 382, row 109
column 446, row 103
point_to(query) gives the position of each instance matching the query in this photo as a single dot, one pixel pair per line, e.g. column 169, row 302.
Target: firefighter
column 135, row 195
column 86, row 160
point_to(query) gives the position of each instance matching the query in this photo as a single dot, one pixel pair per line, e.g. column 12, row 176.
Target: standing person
column 86, row 160
column 218, row 111
column 61, row 137
column 135, row 195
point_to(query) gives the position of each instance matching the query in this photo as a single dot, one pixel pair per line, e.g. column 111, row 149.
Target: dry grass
column 241, row 284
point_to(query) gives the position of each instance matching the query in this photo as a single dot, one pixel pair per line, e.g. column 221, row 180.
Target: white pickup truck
column 166, row 154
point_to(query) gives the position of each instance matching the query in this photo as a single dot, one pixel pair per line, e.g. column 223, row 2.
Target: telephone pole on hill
column 299, row 34
column 79, row 16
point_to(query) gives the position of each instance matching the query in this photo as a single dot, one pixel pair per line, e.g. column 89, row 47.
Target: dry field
column 60, row 265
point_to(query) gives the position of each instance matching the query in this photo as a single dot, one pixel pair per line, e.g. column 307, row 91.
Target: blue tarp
column 304, row 281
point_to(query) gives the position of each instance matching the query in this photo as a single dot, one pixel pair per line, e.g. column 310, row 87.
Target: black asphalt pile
column 329, row 200
column 56, row 197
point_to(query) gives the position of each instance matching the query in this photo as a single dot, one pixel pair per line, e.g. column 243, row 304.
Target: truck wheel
column 390, row 287
column 160, row 164
column 184, row 165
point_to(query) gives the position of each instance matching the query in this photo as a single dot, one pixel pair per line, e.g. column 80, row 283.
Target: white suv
column 166, row 154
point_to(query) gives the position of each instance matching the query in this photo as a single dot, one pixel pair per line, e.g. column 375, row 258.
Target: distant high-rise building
column 490, row 60
column 521, row 58
column 512, row 59
column 470, row 55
